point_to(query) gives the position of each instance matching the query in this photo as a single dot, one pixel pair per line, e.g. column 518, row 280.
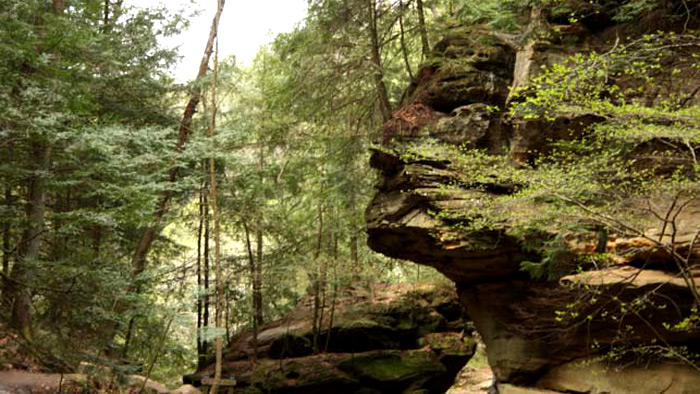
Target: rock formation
column 583, row 331
column 384, row 339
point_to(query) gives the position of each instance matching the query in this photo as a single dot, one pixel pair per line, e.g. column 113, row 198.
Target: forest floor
column 25, row 382
column 20, row 382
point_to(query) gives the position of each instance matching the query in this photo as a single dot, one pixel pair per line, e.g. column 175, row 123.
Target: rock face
column 386, row 339
column 541, row 335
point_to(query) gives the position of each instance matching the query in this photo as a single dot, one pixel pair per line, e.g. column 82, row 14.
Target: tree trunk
column 30, row 245
column 257, row 279
column 105, row 16
column 354, row 256
column 425, row 45
column 251, row 261
column 217, row 232
column 58, row 6
column 163, row 204
column 316, row 283
column 138, row 260
column 23, row 272
column 404, row 49
column 333, row 301
column 6, row 243
column 201, row 356
column 525, row 55
column 376, row 59
column 205, row 313
column 259, row 228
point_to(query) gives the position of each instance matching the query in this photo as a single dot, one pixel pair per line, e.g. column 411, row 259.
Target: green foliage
column 616, row 83
column 497, row 15
column 95, row 93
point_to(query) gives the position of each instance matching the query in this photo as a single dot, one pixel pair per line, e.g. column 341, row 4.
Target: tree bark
column 425, row 45
column 201, row 355
column 30, row 246
column 217, row 231
column 251, row 261
column 525, row 55
column 354, row 255
column 105, row 16
column 6, row 242
column 259, row 227
column 257, row 279
column 58, row 6
column 376, row 60
column 333, row 300
column 206, row 300
column 316, row 283
column 404, row 49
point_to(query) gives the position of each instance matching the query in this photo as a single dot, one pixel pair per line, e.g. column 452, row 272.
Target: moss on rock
column 394, row 368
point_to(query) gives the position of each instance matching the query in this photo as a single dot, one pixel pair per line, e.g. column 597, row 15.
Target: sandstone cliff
column 608, row 310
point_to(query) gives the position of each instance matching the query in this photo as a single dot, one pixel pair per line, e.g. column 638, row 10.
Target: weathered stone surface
column 395, row 371
column 599, row 377
column 529, row 62
column 474, row 126
column 400, row 225
column 530, row 327
column 186, row 389
column 476, row 68
column 534, row 137
column 505, row 388
column 536, row 331
column 388, row 339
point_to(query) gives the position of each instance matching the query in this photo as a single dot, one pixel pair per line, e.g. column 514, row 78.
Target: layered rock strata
column 573, row 334
column 384, row 339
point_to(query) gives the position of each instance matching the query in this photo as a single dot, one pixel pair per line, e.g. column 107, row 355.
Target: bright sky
column 245, row 26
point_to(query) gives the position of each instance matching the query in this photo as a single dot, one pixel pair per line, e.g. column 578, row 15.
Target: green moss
column 251, row 390
column 361, row 322
column 448, row 344
column 268, row 377
column 396, row 366
column 479, row 359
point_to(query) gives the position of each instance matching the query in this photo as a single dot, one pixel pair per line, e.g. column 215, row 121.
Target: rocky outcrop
column 541, row 336
column 384, row 339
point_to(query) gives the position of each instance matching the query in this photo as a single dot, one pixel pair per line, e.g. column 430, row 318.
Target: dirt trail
column 472, row 380
column 21, row 382
column 476, row 377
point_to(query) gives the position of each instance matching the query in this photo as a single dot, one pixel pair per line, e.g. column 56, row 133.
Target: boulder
column 385, row 339
column 599, row 377
column 475, row 67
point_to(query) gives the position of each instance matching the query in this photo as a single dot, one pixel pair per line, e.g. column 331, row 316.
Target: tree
column 86, row 130
column 383, row 96
column 161, row 208
column 214, row 191
column 425, row 45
